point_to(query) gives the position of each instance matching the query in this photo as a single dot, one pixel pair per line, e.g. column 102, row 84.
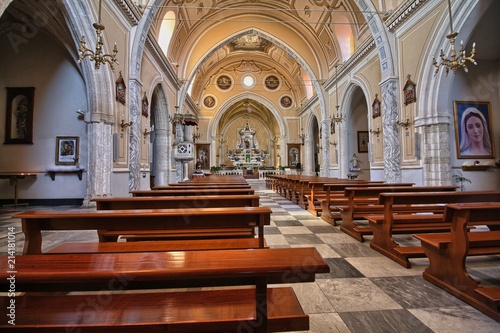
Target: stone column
column 436, row 154
column 135, row 136
column 392, row 148
column 325, row 144
column 99, row 161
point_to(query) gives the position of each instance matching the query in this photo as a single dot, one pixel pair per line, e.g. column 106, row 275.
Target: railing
column 264, row 173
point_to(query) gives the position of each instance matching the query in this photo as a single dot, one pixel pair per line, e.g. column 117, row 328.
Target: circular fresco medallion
column 272, row 82
column 209, row 101
column 286, row 101
column 224, row 82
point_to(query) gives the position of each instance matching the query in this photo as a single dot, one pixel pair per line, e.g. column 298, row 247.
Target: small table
column 14, row 177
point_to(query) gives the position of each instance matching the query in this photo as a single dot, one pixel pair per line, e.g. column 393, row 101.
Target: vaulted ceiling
column 299, row 41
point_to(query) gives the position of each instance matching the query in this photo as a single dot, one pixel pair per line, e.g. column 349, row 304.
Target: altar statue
column 247, row 138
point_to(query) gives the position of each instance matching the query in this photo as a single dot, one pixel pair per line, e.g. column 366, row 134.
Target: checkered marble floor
column 364, row 292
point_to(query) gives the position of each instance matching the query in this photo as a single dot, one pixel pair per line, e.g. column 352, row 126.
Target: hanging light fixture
column 455, row 61
column 339, row 117
column 98, row 55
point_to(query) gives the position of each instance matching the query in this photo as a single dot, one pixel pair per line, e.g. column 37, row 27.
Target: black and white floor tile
column 364, row 292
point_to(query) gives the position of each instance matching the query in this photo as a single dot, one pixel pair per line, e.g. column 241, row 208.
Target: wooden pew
column 391, row 222
column 201, row 187
column 158, row 246
column 336, row 196
column 176, row 221
column 184, row 192
column 447, row 254
column 203, row 201
column 103, row 308
column 309, row 191
column 159, row 202
column 304, row 186
column 362, row 201
column 226, row 179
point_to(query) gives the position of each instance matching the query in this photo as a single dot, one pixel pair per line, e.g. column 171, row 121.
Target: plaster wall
column 59, row 93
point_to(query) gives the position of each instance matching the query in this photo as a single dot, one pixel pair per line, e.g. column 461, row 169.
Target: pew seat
column 171, row 245
column 211, row 311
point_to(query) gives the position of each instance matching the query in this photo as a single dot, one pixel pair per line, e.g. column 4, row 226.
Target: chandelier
column 98, row 55
column 339, row 117
column 455, row 61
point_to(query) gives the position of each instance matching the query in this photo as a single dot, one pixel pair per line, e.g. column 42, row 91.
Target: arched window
column 345, row 37
column 166, row 30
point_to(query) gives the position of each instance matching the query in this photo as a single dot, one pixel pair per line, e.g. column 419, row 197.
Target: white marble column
column 392, row 148
column 99, row 161
column 325, row 151
column 436, row 154
column 135, row 135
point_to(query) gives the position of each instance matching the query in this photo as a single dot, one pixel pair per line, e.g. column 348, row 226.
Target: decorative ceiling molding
column 157, row 53
column 129, row 10
column 404, row 12
column 359, row 55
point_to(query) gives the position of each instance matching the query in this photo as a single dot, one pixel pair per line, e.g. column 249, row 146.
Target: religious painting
column 286, row 101
column 409, row 91
column 209, row 101
column 376, row 107
column 120, row 89
column 19, row 115
column 224, row 82
column 67, row 150
column 145, row 106
column 272, row 82
column 362, row 141
column 202, row 156
column 474, row 130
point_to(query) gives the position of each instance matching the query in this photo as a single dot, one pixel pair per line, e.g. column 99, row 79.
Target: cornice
column 403, row 13
column 359, row 55
column 129, row 10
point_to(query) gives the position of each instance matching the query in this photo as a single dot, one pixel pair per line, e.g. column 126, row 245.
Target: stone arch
column 134, row 96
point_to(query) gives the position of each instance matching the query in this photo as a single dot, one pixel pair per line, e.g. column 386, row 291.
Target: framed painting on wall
column 293, row 155
column 473, row 130
column 203, row 156
column 67, row 150
column 362, row 141
column 19, row 115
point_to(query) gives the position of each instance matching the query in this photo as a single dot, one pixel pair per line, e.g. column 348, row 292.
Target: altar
column 247, row 153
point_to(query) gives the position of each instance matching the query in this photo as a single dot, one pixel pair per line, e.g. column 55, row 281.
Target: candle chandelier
column 98, row 55
column 339, row 117
column 455, row 61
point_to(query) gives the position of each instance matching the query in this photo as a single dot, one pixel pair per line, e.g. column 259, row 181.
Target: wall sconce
column 196, row 135
column 222, row 140
column 124, row 125
column 405, row 124
column 146, row 132
column 302, row 136
column 377, row 131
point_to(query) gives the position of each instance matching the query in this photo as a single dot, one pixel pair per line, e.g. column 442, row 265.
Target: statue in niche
column 247, row 138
